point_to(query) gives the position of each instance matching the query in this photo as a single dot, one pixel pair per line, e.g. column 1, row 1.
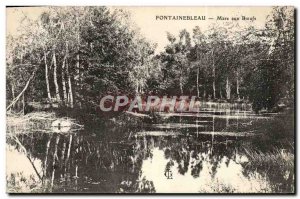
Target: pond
column 206, row 152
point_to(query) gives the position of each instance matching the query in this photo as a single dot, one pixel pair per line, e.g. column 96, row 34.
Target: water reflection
column 200, row 169
column 20, row 167
column 117, row 160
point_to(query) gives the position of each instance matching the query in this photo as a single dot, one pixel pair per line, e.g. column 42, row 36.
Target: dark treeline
column 75, row 55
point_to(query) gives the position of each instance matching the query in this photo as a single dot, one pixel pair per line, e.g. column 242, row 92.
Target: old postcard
column 196, row 100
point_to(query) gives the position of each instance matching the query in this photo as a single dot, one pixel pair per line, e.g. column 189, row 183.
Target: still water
column 207, row 152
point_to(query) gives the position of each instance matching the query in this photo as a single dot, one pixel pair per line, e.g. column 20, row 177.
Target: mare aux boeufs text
column 243, row 18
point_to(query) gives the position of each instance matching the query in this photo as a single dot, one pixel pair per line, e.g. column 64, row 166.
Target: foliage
column 83, row 53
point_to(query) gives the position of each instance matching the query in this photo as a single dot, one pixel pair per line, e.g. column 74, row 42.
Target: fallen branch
column 27, row 155
column 24, row 89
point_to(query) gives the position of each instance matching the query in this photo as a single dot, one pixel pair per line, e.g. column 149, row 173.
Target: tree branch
column 24, row 89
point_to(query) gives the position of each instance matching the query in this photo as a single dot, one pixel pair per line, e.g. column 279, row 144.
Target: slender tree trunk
column 198, row 68
column 63, row 154
column 64, row 81
column 228, row 88
column 63, row 74
column 198, row 82
column 78, row 53
column 181, row 85
column 137, row 86
column 58, row 98
column 70, row 97
column 214, row 75
column 47, row 77
column 46, row 160
column 78, row 68
column 23, row 102
column 204, row 91
column 238, row 86
column 221, row 96
column 13, row 91
column 54, row 161
column 79, row 82
column 68, row 153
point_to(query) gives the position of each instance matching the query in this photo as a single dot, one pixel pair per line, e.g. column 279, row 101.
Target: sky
column 155, row 30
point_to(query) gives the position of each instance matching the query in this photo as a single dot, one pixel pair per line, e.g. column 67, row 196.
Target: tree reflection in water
column 87, row 162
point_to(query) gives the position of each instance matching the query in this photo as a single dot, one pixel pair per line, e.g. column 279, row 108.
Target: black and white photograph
column 150, row 100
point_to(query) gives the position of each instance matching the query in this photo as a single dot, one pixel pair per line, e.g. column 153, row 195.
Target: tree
column 176, row 63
